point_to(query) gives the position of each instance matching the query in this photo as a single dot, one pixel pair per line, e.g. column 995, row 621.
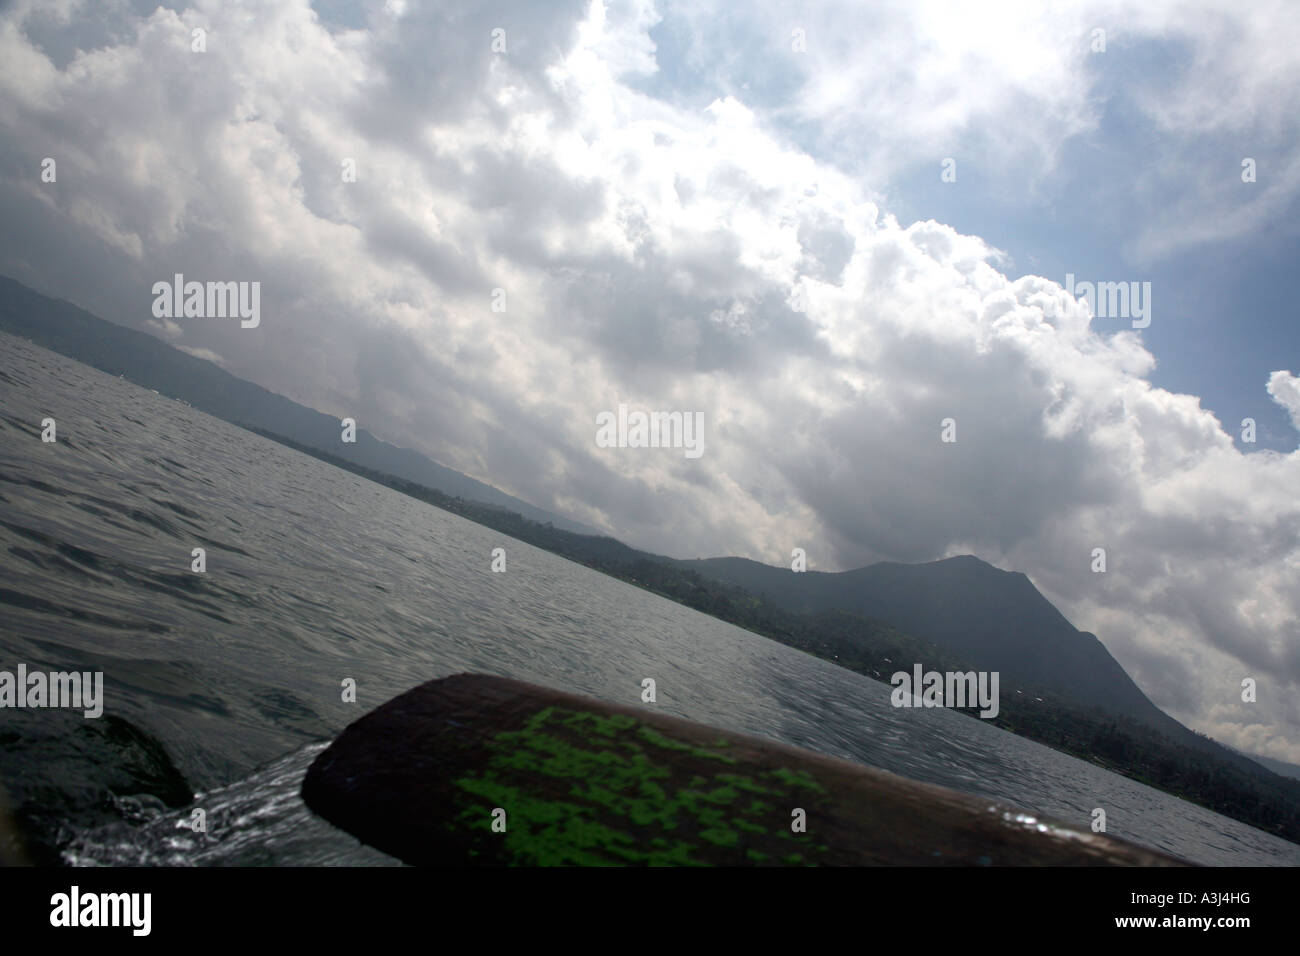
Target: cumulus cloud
column 1285, row 389
column 672, row 255
column 206, row 354
column 165, row 328
column 894, row 87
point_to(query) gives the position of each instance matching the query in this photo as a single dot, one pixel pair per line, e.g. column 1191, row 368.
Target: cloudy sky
column 826, row 226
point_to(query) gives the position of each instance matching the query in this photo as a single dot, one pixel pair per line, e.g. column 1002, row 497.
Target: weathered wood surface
column 583, row 782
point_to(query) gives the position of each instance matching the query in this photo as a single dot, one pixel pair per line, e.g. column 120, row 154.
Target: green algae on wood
column 613, row 777
column 427, row 776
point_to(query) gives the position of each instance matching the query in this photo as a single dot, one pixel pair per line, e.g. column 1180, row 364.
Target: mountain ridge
column 996, row 619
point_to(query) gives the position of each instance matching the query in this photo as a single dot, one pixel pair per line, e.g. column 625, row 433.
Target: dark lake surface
column 315, row 575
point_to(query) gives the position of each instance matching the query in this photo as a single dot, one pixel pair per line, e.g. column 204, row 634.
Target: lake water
column 315, row 575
